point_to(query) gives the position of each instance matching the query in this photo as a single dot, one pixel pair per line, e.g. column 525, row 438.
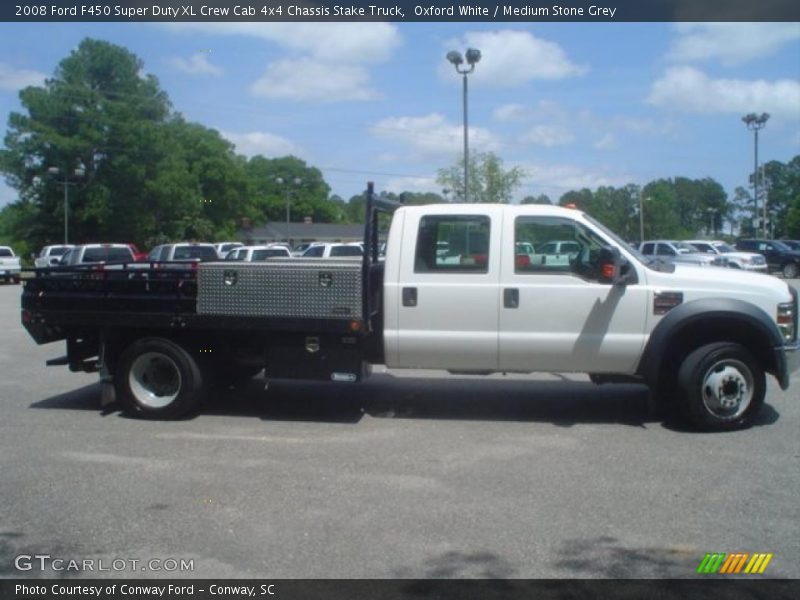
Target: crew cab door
column 558, row 316
column 447, row 290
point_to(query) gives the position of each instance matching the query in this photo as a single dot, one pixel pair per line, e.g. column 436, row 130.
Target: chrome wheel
column 154, row 379
column 727, row 389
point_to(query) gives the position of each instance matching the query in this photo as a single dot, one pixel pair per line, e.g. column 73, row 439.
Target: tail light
column 522, row 261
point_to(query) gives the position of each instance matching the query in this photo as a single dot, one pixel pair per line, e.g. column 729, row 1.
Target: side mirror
column 611, row 262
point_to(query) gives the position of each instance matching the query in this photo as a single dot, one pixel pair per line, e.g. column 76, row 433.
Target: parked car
column 97, row 253
column 300, row 248
column 256, row 253
column 778, row 255
column 223, row 248
column 9, row 265
column 183, row 252
column 137, row 254
column 679, row 252
column 749, row 261
column 331, row 250
column 50, row 255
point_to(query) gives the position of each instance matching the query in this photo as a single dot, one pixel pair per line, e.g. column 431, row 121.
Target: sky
column 573, row 104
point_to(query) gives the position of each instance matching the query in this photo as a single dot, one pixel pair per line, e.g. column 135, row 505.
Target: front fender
column 720, row 318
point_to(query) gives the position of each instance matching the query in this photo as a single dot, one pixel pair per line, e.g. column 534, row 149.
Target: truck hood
column 707, row 282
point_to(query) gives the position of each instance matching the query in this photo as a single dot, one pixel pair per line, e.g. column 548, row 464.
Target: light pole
column 472, row 57
column 754, row 123
column 280, row 181
column 77, row 174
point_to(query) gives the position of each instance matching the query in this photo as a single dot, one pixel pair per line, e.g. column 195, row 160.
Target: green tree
column 782, row 194
column 488, row 180
column 149, row 175
column 276, row 181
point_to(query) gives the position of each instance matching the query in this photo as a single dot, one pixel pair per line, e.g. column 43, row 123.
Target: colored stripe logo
column 734, row 563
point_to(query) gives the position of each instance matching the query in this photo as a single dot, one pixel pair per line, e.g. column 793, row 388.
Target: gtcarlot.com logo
column 46, row 562
column 734, row 564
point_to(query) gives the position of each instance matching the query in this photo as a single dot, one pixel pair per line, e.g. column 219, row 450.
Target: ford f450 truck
column 453, row 293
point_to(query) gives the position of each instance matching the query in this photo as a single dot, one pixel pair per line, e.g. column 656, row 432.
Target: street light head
column 279, row 180
column 455, row 58
column 53, row 170
column 763, row 118
column 473, row 55
column 80, row 172
column 749, row 118
column 297, row 181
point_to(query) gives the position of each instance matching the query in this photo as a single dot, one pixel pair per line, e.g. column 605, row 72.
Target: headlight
column 786, row 322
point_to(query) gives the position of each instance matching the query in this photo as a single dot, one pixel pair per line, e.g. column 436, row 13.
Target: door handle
column 409, row 296
column 511, row 298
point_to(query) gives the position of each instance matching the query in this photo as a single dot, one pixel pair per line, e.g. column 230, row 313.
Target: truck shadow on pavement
column 562, row 403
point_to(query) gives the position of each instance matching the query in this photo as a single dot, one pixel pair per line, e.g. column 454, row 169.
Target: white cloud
column 412, row 184
column 690, row 90
column 543, row 110
column 432, row 135
column 730, row 43
column 548, row 136
column 16, row 79
column 607, row 142
column 306, row 79
column 512, row 58
column 259, row 142
column 555, row 180
column 352, row 43
column 197, row 64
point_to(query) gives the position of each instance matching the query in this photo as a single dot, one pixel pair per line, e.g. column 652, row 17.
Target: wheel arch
column 700, row 322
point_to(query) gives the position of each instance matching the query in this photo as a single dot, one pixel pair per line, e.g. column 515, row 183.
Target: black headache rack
column 372, row 271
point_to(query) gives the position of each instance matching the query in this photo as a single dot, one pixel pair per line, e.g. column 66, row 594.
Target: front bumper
column 789, row 356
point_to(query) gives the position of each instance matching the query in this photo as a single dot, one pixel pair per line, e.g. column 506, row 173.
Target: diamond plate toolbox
column 296, row 288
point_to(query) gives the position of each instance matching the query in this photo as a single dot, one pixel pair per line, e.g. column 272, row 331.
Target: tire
column 721, row 387
column 790, row 270
column 156, row 378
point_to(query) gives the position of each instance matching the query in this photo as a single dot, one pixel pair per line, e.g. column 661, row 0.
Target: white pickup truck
column 700, row 338
column 9, row 265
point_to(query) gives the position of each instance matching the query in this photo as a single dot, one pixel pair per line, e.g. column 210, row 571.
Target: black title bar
column 401, row 11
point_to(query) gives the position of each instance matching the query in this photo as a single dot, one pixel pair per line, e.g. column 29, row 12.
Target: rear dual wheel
column 158, row 379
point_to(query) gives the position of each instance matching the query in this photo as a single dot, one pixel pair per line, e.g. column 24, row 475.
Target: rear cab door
column 442, row 296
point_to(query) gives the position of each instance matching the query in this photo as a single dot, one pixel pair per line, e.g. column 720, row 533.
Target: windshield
column 724, row 248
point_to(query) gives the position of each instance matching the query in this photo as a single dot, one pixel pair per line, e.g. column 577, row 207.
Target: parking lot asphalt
column 416, row 474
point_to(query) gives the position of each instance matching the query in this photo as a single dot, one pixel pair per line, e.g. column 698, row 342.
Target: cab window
column 560, row 246
column 453, row 243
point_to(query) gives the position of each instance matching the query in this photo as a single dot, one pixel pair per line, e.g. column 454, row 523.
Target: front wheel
column 790, row 270
column 158, row 379
column 722, row 387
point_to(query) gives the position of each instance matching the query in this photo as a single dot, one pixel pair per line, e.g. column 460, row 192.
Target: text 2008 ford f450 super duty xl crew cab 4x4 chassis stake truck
column 703, row 337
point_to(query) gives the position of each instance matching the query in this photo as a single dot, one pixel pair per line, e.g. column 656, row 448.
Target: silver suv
column 680, row 253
